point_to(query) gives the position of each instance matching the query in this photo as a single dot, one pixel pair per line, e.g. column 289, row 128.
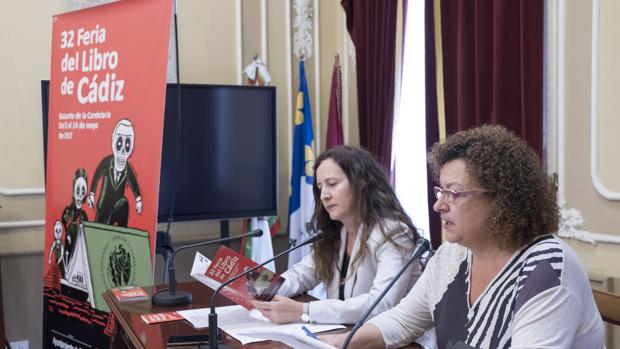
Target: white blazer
column 363, row 283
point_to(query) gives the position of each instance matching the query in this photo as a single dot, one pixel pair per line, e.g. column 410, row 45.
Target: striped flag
column 260, row 249
column 301, row 201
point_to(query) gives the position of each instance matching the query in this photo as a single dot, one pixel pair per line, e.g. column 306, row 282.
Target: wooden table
column 132, row 332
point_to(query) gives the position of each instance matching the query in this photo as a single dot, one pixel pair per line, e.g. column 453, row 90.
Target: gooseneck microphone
column 421, row 246
column 213, row 344
column 171, row 297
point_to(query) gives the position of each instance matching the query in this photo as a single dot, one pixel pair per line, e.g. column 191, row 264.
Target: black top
column 343, row 275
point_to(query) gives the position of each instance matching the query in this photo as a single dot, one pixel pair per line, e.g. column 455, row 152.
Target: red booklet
column 130, row 293
column 261, row 284
column 161, row 317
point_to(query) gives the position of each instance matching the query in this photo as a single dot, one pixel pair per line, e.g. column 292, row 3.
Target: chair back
column 608, row 305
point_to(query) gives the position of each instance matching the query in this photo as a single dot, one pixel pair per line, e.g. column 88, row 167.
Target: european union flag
column 301, row 201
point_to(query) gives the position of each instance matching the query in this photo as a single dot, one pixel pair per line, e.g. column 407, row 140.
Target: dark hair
column 524, row 197
column 373, row 197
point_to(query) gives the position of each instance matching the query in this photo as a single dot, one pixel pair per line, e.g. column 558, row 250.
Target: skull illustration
column 58, row 230
column 122, row 144
column 79, row 187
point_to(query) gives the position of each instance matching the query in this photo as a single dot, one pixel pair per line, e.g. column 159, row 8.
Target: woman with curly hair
column 367, row 239
column 502, row 279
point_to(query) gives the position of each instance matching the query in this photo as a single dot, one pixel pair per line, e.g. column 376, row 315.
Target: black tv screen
column 226, row 166
column 228, row 162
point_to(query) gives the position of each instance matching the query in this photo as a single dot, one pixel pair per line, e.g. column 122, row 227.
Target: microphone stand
column 213, row 342
column 171, row 297
column 421, row 246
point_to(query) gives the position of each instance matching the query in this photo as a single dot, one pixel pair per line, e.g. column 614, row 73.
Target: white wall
column 600, row 215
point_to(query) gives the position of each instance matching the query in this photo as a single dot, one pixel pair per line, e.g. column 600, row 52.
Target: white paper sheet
column 292, row 335
column 251, row 326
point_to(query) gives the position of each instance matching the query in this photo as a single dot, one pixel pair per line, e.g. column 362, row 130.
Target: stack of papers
column 251, row 326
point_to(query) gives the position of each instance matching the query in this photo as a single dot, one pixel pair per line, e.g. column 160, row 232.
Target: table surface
column 142, row 335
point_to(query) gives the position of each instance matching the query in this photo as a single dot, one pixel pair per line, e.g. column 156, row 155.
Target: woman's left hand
column 280, row 310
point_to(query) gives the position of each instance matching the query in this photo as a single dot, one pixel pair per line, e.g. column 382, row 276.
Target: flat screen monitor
column 222, row 161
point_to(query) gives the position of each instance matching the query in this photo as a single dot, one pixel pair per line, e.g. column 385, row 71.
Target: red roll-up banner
column 106, row 107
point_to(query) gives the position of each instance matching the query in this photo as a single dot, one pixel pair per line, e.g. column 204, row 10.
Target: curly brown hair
column 525, row 204
column 374, row 198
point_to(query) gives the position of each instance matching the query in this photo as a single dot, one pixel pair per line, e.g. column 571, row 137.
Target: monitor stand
column 225, row 232
column 164, row 245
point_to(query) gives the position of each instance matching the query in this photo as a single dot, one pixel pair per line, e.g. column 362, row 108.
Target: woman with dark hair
column 367, row 239
column 502, row 279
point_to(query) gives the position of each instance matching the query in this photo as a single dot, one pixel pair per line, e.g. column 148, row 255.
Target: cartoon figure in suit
column 73, row 215
column 116, row 173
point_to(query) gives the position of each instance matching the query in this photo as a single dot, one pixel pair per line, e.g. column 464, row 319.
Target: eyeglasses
column 452, row 195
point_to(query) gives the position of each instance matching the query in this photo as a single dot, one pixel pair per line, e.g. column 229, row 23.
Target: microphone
column 171, row 297
column 213, row 344
column 421, row 246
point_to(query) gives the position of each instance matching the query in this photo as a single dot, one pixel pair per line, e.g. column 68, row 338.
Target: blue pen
column 308, row 332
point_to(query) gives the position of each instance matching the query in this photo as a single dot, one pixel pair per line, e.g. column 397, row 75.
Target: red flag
column 334, row 121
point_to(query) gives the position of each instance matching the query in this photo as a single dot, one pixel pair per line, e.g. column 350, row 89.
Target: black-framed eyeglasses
column 452, row 195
